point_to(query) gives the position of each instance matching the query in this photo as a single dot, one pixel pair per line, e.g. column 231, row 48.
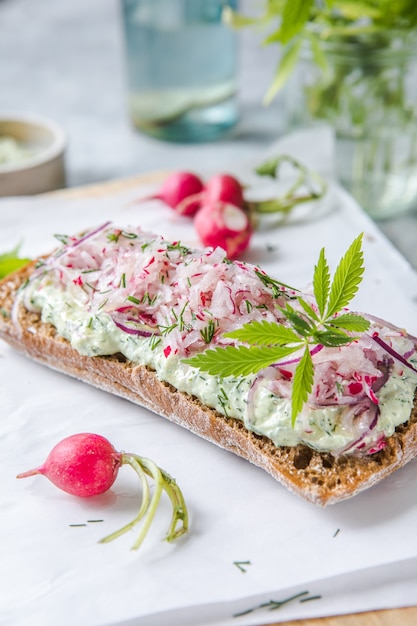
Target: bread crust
column 319, row 478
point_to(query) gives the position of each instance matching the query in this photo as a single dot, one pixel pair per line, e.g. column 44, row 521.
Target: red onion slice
column 374, row 412
column 90, row 234
column 392, row 352
column 132, row 325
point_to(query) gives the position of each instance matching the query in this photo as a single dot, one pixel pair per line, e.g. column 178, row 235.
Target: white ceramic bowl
column 43, row 169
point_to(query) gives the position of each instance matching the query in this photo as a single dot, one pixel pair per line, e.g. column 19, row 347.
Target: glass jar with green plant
column 352, row 64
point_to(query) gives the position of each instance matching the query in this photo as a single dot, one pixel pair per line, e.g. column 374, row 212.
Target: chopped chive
column 310, row 598
column 103, row 304
column 249, row 306
column 208, row 332
column 154, row 341
column 113, row 236
column 62, row 238
column 165, row 330
column 177, row 246
column 275, row 286
column 239, row 565
column 272, row 605
column 91, row 287
column 223, row 393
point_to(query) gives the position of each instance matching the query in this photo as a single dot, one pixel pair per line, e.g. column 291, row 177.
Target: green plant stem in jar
column 354, row 66
column 367, row 92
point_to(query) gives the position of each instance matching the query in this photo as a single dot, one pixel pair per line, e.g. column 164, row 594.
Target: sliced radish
column 224, row 225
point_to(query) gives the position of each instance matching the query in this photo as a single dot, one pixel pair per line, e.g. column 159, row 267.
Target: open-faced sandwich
column 321, row 398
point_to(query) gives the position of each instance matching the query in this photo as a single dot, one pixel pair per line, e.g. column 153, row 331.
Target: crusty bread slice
column 319, row 478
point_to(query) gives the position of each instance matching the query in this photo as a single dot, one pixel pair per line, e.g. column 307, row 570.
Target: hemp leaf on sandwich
column 324, row 323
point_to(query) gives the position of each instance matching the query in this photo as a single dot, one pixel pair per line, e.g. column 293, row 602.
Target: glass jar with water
column 365, row 87
column 181, row 68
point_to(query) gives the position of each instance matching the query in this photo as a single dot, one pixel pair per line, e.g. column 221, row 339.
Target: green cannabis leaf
column 239, row 360
column 346, row 280
column 321, row 282
column 351, row 322
column 321, row 323
column 263, row 334
column 303, row 383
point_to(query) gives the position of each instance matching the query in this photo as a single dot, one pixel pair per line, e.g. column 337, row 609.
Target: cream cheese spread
column 155, row 312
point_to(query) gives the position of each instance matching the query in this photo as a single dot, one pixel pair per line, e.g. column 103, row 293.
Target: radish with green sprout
column 86, row 464
column 209, row 203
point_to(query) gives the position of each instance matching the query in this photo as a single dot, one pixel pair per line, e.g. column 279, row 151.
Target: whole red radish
column 224, row 188
column 225, row 225
column 82, row 465
column 86, row 464
column 182, row 192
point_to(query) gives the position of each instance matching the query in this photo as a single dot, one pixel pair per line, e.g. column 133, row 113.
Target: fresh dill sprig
column 115, row 236
column 276, row 286
column 178, row 246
